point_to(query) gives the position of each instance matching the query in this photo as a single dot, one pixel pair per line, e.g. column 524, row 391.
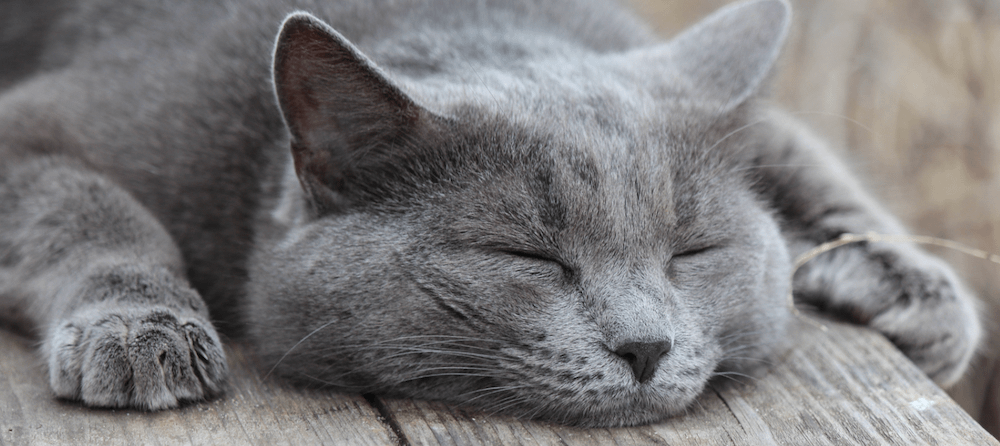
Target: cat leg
column 88, row 268
column 913, row 298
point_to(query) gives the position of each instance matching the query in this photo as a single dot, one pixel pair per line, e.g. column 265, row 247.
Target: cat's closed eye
column 692, row 252
column 540, row 259
column 687, row 260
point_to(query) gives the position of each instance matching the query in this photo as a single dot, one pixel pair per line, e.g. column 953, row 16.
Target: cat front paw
column 143, row 357
column 912, row 298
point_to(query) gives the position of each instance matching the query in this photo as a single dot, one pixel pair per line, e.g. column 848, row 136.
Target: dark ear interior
column 341, row 109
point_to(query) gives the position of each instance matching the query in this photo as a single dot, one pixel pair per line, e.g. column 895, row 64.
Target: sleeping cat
column 533, row 207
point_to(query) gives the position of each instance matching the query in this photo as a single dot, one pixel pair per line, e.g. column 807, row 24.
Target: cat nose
column 643, row 357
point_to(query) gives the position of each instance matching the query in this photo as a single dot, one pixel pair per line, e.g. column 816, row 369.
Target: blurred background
column 909, row 92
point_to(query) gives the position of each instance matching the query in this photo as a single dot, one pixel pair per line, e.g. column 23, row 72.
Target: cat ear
column 341, row 109
column 729, row 54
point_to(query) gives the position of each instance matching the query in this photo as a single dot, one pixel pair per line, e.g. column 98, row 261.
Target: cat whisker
column 438, row 375
column 739, row 335
column 726, row 352
column 737, row 130
column 445, row 337
column 392, row 343
column 393, row 351
column 733, row 376
column 419, row 350
column 756, row 359
column 486, row 392
column 451, row 367
column 317, row 330
column 504, row 404
column 771, row 166
column 338, row 386
column 836, row 115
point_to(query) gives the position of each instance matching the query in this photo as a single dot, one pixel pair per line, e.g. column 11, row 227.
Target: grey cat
column 526, row 206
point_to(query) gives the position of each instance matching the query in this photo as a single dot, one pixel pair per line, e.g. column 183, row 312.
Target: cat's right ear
column 728, row 56
column 343, row 112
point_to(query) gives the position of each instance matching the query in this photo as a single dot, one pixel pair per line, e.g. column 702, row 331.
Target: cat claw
column 146, row 358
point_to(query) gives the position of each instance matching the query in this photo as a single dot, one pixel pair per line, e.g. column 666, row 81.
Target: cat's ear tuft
column 729, row 54
column 342, row 111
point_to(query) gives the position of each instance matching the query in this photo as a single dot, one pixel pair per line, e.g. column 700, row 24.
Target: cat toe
column 914, row 299
column 934, row 322
column 148, row 359
column 207, row 359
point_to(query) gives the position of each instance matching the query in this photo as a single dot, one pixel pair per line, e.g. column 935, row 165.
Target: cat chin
column 645, row 405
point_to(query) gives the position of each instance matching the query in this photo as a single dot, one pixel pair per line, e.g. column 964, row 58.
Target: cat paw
column 914, row 299
column 143, row 357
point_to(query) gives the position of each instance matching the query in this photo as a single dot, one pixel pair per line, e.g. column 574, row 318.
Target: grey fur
column 534, row 208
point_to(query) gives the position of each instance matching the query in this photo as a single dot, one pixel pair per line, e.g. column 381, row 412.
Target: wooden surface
column 911, row 88
column 845, row 386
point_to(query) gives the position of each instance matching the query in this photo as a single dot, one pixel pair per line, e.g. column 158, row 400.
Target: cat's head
column 576, row 243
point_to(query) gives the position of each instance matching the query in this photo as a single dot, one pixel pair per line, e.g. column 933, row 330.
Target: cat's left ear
column 344, row 114
column 729, row 54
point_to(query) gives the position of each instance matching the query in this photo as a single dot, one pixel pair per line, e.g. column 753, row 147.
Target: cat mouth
column 612, row 406
column 604, row 393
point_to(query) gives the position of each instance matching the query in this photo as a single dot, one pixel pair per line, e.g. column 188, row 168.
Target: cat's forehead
column 593, row 172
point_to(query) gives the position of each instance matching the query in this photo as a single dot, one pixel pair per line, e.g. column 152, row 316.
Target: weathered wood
column 845, row 386
column 252, row 412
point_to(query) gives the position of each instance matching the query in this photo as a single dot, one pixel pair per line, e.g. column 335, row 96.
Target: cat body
column 529, row 207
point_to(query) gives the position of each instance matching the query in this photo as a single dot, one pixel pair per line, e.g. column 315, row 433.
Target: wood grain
column 910, row 87
column 251, row 412
column 845, row 386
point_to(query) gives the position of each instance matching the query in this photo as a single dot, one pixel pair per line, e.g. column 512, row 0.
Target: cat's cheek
column 739, row 295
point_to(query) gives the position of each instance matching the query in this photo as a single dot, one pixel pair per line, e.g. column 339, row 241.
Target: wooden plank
column 845, row 386
column 431, row 423
column 251, row 412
